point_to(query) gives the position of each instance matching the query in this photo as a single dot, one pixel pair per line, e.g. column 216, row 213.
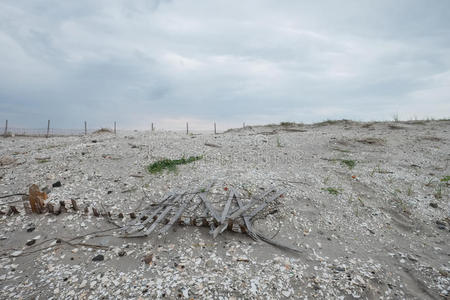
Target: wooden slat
column 257, row 200
column 263, row 205
column 247, row 223
column 177, row 215
column 159, row 219
column 202, row 194
column 211, row 210
column 148, row 210
column 227, row 206
column 137, row 227
column 237, row 214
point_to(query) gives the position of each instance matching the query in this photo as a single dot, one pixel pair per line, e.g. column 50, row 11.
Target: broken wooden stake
column 37, row 199
column 74, row 205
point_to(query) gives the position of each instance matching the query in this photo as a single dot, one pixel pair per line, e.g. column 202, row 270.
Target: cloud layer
column 226, row 61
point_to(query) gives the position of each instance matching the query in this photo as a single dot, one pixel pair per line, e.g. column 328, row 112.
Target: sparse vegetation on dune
column 170, row 164
column 349, row 163
column 103, row 130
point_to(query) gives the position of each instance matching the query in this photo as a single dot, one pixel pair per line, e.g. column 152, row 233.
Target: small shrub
column 331, row 190
column 103, row 130
column 445, row 178
column 349, row 163
column 286, row 124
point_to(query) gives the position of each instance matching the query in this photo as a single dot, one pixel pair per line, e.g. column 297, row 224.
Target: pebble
column 99, row 257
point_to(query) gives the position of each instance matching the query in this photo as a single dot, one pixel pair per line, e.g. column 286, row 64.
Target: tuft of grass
column 438, row 193
column 278, row 142
column 170, row 164
column 395, row 127
column 103, row 130
column 349, row 163
column 43, row 161
column 410, row 191
column 371, row 141
column 286, row 124
column 331, row 190
column 445, row 178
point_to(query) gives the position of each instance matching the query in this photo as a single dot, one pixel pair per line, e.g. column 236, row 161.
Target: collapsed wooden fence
column 185, row 208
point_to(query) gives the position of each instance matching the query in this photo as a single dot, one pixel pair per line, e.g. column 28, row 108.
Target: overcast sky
column 169, row 62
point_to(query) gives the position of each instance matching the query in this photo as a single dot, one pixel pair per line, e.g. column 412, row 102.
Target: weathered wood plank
column 159, row 219
column 177, row 215
column 238, row 213
column 134, row 225
column 208, row 205
column 227, row 206
column 264, row 204
column 247, row 223
column 257, row 200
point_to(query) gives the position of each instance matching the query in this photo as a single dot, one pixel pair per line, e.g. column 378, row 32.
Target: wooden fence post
column 48, row 128
column 215, row 131
column 115, row 127
column 85, row 128
column 6, row 128
column 187, row 128
column 152, row 127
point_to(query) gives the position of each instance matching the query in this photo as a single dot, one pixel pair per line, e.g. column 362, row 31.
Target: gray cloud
column 257, row 61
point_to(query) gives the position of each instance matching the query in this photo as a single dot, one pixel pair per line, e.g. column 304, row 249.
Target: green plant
column 349, row 163
column 409, row 192
column 438, row 193
column 360, row 201
column 331, row 190
column 170, row 164
column 278, row 142
column 445, row 178
column 429, row 183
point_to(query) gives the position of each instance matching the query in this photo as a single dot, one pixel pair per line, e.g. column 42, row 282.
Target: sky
column 258, row 62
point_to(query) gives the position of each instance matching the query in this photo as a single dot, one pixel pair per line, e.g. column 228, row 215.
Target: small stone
column 31, row 229
column 99, row 257
column 412, row 258
column 340, row 268
column 16, row 253
column 433, row 204
column 438, row 222
column 46, row 190
column 93, row 283
column 148, row 259
column 57, row 184
column 122, row 253
column 83, row 283
column 30, row 242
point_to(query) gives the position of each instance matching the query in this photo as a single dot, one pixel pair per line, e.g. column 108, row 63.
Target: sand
column 366, row 205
